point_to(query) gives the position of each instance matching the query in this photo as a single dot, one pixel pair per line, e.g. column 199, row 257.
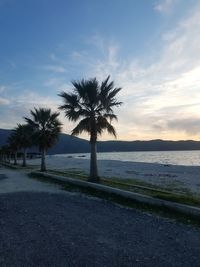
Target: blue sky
column 149, row 47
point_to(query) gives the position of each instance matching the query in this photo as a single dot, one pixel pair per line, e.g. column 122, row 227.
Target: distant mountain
column 66, row 143
column 4, row 133
column 152, row 145
column 71, row 144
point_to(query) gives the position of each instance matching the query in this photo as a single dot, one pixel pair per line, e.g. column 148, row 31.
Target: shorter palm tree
column 14, row 145
column 46, row 128
column 1, row 154
column 5, row 153
column 23, row 135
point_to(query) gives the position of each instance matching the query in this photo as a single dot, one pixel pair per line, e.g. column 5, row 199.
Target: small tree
column 46, row 128
column 92, row 104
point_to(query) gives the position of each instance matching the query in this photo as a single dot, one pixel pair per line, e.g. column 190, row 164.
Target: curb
column 136, row 197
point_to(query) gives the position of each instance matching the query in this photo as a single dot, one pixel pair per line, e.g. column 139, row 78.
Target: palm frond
column 83, row 126
column 70, row 99
column 102, row 124
column 110, row 116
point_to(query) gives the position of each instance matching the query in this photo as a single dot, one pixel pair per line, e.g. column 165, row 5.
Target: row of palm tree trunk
column 90, row 103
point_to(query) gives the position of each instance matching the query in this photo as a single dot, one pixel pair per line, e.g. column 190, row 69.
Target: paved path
column 17, row 181
column 63, row 229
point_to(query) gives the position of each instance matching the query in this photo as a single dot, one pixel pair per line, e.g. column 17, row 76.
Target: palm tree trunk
column 24, row 158
column 15, row 158
column 93, row 163
column 43, row 162
column 9, row 157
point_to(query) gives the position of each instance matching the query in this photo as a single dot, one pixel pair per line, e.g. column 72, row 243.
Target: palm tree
column 23, row 135
column 46, row 128
column 92, row 104
column 5, row 153
column 13, row 142
column 1, row 154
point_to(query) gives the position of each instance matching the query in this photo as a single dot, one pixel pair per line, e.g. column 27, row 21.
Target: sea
column 188, row 158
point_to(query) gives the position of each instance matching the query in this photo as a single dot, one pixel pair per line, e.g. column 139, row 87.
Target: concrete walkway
column 17, row 181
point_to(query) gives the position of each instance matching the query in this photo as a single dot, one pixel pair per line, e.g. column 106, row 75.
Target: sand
column 171, row 177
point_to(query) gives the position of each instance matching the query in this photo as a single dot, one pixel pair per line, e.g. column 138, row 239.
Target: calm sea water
column 191, row 158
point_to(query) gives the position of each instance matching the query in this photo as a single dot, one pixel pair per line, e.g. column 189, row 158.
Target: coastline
column 183, row 179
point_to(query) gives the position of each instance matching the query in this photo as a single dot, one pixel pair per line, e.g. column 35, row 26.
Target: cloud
column 12, row 64
column 4, row 101
column 189, row 125
column 54, row 68
column 15, row 108
column 2, row 88
column 165, row 6
column 53, row 57
column 161, row 93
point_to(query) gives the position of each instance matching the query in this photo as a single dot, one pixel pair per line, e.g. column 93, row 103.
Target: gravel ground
column 40, row 225
column 47, row 229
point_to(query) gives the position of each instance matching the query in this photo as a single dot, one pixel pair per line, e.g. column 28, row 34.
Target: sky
column 150, row 48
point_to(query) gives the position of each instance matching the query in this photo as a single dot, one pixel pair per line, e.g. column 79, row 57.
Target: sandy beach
column 170, row 177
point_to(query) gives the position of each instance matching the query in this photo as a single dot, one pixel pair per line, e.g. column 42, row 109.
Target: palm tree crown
column 46, row 128
column 92, row 104
column 22, row 135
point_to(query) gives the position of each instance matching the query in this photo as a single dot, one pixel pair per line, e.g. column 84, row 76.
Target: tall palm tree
column 23, row 135
column 46, row 128
column 92, row 104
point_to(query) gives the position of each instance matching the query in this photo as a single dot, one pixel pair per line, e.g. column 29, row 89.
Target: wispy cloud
column 4, row 101
column 54, row 68
column 158, row 95
column 2, row 88
column 165, row 6
column 15, row 107
column 12, row 64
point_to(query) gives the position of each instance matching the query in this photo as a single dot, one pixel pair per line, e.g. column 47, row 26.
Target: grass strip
column 134, row 186
column 127, row 202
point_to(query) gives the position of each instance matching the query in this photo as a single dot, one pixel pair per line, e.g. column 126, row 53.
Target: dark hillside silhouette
column 72, row 144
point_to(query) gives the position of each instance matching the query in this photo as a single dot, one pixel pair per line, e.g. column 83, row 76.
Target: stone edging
column 156, row 202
